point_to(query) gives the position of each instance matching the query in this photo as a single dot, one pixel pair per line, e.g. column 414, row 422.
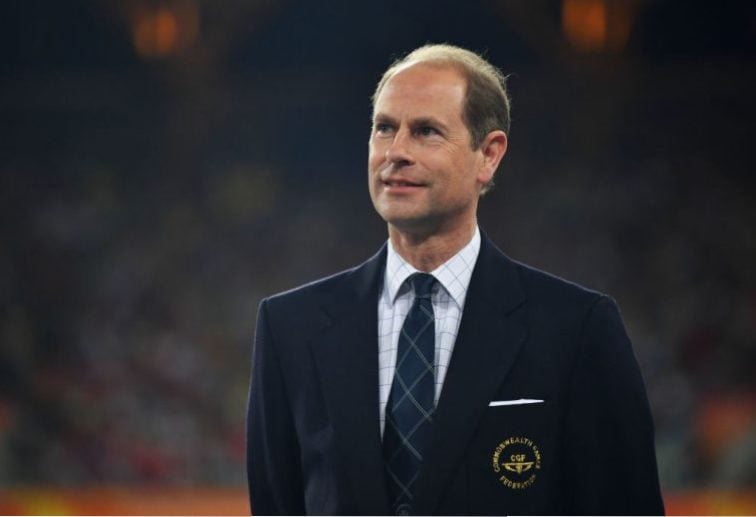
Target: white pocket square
column 516, row 402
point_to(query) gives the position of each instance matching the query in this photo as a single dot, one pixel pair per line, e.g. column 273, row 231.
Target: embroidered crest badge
column 516, row 461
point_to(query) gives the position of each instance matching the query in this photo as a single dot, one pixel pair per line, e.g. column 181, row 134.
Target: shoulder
column 545, row 287
column 294, row 315
column 534, row 285
column 550, row 301
column 567, row 305
column 340, row 285
column 314, row 290
column 562, row 311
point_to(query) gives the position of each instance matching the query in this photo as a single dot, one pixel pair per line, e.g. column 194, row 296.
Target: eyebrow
column 380, row 117
column 429, row 121
column 417, row 122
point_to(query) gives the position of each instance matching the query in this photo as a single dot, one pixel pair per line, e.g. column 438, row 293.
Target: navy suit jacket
column 313, row 438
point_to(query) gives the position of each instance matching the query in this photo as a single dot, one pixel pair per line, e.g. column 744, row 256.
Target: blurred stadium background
column 165, row 164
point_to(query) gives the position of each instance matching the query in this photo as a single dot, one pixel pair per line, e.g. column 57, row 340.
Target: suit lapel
column 490, row 335
column 346, row 356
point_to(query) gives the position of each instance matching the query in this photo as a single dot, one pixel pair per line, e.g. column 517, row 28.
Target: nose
column 398, row 152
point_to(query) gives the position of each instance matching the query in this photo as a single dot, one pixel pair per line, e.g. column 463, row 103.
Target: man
column 486, row 387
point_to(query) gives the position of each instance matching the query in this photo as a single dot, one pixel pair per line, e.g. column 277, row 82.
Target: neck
column 428, row 251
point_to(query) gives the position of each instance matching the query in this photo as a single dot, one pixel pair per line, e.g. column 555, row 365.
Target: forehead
column 422, row 89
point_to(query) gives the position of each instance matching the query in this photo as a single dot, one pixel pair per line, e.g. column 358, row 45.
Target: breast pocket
column 512, row 461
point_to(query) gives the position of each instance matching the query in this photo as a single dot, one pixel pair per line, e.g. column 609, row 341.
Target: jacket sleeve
column 610, row 456
column 273, row 459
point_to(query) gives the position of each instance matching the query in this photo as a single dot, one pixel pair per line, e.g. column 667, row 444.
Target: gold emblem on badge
column 517, row 460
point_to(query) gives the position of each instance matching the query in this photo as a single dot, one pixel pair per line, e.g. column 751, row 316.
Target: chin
column 399, row 217
column 416, row 224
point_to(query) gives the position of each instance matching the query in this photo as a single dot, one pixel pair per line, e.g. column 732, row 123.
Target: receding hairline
column 440, row 63
column 404, row 66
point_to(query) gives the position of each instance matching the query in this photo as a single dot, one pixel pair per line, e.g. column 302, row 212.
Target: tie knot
column 422, row 283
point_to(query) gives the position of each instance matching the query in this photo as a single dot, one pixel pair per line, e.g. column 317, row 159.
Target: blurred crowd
column 134, row 252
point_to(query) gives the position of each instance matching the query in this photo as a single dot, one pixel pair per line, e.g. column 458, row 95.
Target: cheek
column 374, row 162
column 376, row 153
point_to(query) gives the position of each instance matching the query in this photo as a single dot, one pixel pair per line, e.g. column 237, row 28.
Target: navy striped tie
column 409, row 412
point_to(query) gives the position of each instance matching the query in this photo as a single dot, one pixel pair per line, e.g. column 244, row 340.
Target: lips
column 401, row 182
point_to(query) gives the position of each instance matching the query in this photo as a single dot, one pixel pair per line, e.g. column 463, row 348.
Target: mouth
column 401, row 183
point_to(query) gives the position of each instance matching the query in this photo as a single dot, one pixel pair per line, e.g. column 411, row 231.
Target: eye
column 381, row 128
column 427, row 131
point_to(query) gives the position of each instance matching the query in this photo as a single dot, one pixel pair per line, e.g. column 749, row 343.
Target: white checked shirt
column 448, row 299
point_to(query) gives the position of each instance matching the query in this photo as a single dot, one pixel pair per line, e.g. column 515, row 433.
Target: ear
column 493, row 149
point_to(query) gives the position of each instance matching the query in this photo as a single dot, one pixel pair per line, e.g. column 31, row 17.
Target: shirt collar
column 454, row 274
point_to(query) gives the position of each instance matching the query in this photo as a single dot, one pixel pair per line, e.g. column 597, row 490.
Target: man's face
column 424, row 177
